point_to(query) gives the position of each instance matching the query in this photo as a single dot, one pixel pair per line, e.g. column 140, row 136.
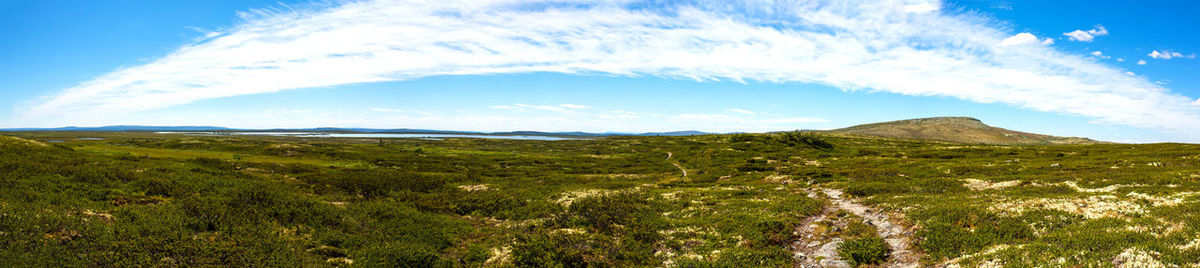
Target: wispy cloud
column 797, row 120
column 1167, row 54
column 740, row 111
column 549, row 120
column 1086, row 36
column 906, row 47
column 388, row 110
column 619, row 114
column 561, row 108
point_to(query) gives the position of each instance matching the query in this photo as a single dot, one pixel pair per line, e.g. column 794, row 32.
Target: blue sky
column 1119, row 70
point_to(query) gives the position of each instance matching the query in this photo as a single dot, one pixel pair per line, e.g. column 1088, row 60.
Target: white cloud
column 1019, row 39
column 1048, row 41
column 872, row 45
column 740, row 111
column 574, row 106
column 1166, row 55
column 1120, row 59
column 561, row 108
column 923, row 7
column 798, row 120
column 1129, row 73
column 387, row 110
column 1086, row 36
column 1141, row 62
column 619, row 114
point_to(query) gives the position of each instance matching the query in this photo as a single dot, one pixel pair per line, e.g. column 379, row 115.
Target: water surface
column 428, row 136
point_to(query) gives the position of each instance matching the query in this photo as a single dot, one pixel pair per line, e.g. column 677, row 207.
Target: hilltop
column 956, row 129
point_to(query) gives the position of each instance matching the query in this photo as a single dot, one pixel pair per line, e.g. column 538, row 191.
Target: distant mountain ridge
column 949, row 129
column 357, row 130
column 956, row 129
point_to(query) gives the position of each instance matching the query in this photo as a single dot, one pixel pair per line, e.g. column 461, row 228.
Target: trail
column 680, row 168
column 813, row 250
column 676, row 163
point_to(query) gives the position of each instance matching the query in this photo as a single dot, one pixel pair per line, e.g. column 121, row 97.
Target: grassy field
column 136, row 199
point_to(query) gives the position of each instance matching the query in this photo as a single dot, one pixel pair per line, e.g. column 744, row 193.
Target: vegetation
column 864, row 250
column 142, row 199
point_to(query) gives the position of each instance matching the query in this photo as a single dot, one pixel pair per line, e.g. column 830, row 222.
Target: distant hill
column 675, row 133
column 956, row 129
column 354, row 130
column 124, row 128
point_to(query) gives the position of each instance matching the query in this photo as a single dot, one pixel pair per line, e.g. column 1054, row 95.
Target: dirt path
column 815, row 250
column 676, row 163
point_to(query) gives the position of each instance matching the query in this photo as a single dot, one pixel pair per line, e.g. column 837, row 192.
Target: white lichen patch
column 980, row 185
column 1157, row 200
column 569, row 231
column 340, row 260
column 616, row 176
column 598, row 156
column 568, row 197
column 102, row 216
column 474, row 188
column 521, row 223
column 1132, row 258
column 1161, row 229
column 727, row 188
column 1092, row 207
column 1195, row 243
column 777, row 178
column 500, row 256
column 689, row 231
column 1104, row 189
column 986, row 252
column 671, row 195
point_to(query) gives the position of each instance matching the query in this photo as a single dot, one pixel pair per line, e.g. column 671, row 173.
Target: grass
column 192, row 154
column 141, row 199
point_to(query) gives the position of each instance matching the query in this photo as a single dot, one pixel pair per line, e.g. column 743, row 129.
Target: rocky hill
column 956, row 129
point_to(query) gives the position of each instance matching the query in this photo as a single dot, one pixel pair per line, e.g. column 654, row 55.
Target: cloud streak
column 561, row 108
column 1086, row 36
column 905, row 47
column 1167, row 54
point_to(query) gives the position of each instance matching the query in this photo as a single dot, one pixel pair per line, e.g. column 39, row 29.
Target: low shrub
column 804, row 138
column 866, row 250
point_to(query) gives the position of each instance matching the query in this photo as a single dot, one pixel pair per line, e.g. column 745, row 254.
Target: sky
column 1120, row 71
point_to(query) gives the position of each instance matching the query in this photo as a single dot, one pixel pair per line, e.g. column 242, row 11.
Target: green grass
column 192, row 154
column 140, row 199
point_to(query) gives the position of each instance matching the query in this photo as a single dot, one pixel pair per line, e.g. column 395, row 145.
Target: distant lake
column 379, row 135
